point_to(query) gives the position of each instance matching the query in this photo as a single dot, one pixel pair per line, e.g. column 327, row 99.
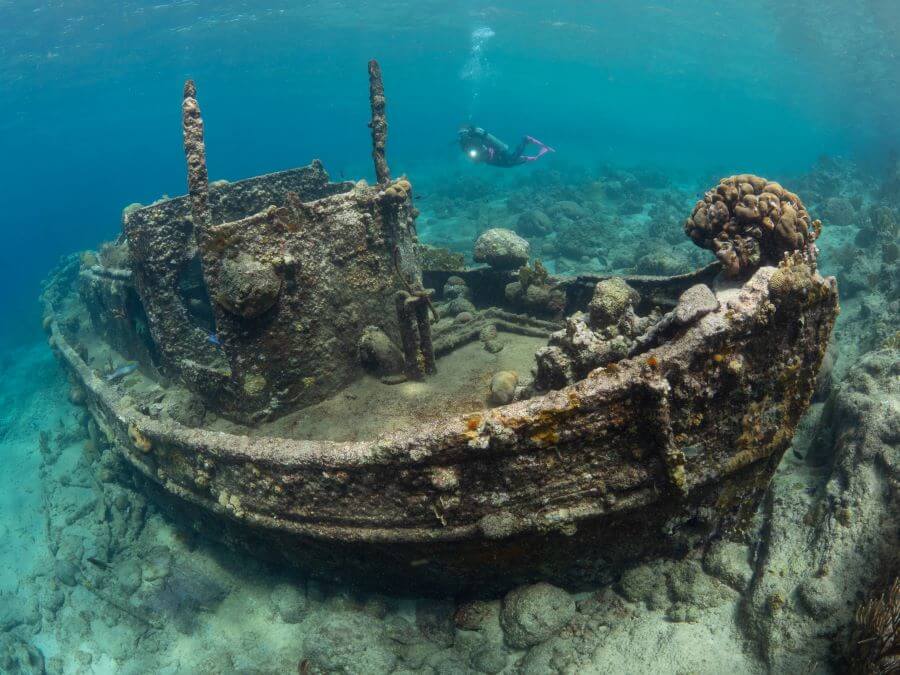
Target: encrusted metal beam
column 195, row 154
column 378, row 125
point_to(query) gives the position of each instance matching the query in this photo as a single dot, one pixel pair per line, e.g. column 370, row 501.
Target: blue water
column 90, row 115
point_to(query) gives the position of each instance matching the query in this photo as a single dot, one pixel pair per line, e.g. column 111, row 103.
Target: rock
column 532, row 614
column 728, row 562
column 67, row 571
column 839, row 211
column 460, row 305
column 157, row 563
column 182, row 595
column 76, row 395
column 347, row 642
column 400, row 630
column 569, row 209
column 822, row 552
column 695, row 302
column 502, row 249
column 819, row 596
column 488, row 658
column 289, row 602
column 129, row 576
column 503, row 387
column 646, row 584
column 474, row 614
column 19, row 657
column 688, row 585
column 434, row 618
column 463, row 317
column 378, row 353
column 247, row 287
column 537, row 295
column 612, row 299
column 534, row 223
column 17, row 610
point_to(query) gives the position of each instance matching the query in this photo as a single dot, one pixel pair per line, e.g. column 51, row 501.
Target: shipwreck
column 300, row 385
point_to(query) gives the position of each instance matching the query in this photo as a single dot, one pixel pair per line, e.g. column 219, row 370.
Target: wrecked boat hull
column 643, row 458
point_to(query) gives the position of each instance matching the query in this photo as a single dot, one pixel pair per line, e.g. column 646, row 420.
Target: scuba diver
column 480, row 146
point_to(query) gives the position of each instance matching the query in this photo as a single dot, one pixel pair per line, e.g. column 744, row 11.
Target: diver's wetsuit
column 483, row 147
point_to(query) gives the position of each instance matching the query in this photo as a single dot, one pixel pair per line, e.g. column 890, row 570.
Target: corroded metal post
column 378, row 125
column 423, row 321
column 195, row 154
column 408, row 337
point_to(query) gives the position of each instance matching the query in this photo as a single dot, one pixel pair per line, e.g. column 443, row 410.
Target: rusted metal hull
column 643, row 458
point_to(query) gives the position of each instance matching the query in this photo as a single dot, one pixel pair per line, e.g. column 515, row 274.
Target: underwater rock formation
column 748, row 221
column 799, row 596
column 502, row 249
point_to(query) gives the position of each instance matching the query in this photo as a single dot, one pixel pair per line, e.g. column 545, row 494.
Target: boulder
column 502, row 249
column 533, row 614
column 348, row 642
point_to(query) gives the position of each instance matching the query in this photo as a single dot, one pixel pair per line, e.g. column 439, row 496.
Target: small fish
column 213, row 339
column 121, row 372
column 98, row 563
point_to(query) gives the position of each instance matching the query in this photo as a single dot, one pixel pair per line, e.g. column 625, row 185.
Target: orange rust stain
column 545, row 436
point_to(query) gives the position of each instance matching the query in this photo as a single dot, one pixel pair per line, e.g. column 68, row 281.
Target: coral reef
column 750, row 221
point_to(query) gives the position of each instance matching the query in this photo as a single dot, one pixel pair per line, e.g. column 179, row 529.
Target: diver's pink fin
column 543, row 149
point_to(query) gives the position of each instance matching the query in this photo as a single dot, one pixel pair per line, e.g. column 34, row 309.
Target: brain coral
column 749, row 221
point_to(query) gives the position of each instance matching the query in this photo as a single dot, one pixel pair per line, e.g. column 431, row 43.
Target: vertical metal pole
column 378, row 125
column 195, row 154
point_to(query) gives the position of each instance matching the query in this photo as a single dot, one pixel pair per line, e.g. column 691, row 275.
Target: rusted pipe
column 195, row 154
column 378, row 125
